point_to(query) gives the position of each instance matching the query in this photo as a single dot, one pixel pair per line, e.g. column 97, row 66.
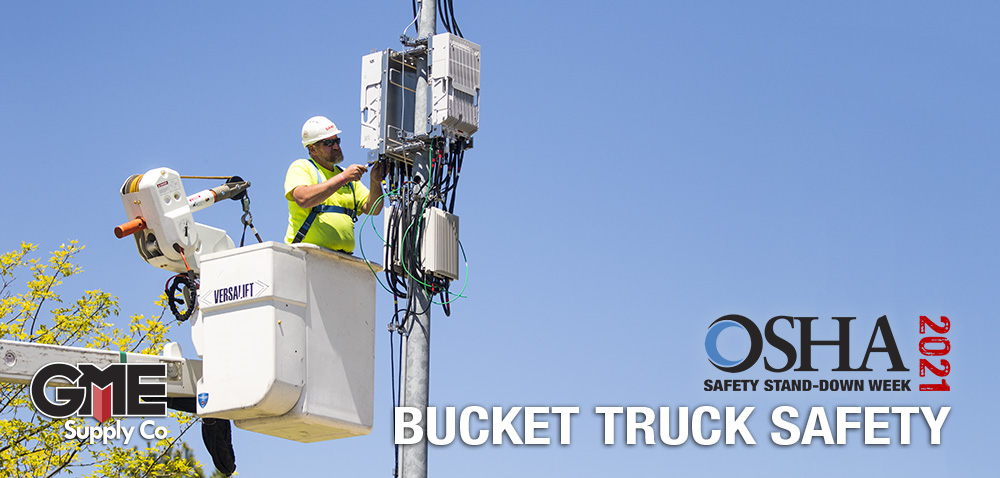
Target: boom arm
column 20, row 361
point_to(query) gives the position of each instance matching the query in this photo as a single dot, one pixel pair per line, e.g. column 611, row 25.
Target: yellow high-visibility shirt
column 330, row 229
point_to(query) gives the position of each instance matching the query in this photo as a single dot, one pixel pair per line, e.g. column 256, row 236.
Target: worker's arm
column 308, row 195
column 374, row 191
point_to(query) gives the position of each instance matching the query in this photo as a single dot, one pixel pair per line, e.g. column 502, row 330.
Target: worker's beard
column 336, row 157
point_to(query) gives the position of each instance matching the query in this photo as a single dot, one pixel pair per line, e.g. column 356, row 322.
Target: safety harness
column 322, row 208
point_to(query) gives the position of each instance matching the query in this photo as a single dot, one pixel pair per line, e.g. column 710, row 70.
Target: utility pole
column 416, row 375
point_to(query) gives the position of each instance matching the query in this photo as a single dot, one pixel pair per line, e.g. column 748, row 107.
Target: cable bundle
column 408, row 198
column 447, row 11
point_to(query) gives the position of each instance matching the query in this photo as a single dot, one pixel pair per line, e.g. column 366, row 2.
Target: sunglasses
column 330, row 142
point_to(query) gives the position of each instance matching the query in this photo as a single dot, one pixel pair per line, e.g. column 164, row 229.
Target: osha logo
column 802, row 351
column 116, row 390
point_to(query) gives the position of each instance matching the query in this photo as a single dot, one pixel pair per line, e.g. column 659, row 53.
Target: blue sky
column 641, row 169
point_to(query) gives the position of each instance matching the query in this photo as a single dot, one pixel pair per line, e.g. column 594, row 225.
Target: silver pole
column 417, row 349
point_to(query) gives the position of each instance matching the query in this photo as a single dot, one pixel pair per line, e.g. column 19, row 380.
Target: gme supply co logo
column 791, row 346
column 118, row 390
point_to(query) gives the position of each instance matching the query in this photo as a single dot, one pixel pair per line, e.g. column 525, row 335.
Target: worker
column 324, row 200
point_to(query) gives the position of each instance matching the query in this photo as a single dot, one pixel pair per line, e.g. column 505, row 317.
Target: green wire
column 420, row 219
column 362, row 245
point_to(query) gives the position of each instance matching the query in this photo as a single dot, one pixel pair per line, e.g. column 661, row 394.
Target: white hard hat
column 318, row 128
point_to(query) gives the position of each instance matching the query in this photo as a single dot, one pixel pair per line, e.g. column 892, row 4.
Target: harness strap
column 322, row 208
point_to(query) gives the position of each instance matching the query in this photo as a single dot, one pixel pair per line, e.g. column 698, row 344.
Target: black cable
column 449, row 181
column 399, row 385
column 392, row 370
column 415, row 312
column 460, row 156
column 397, row 285
column 442, row 171
column 414, row 4
column 453, row 161
column 398, row 246
column 411, row 250
column 445, row 303
column 454, row 23
column 187, row 286
column 444, row 18
column 404, row 240
column 397, row 382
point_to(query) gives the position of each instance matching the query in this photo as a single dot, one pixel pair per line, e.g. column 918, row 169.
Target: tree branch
column 167, row 449
column 67, row 462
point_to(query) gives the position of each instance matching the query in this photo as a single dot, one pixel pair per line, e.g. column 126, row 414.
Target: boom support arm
column 20, row 361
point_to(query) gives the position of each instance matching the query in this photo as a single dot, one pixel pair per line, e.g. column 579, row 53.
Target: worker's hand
column 376, row 173
column 354, row 172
